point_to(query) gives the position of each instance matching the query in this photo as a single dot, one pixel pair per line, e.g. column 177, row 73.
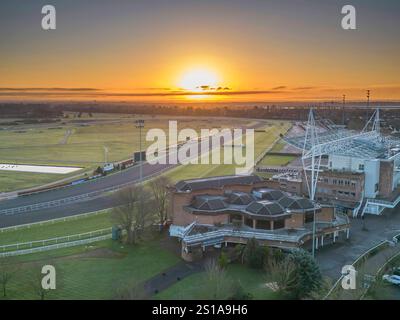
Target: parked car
column 393, row 279
column 396, row 271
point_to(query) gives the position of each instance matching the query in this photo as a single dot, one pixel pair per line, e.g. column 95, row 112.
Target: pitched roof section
column 265, row 208
column 268, row 194
column 209, row 203
column 239, row 198
column 295, row 203
column 215, row 182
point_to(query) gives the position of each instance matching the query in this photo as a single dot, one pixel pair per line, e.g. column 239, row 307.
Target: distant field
column 278, row 146
column 80, row 142
column 275, row 160
column 10, row 181
column 263, row 140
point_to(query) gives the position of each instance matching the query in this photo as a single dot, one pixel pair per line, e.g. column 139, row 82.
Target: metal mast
column 367, row 112
column 311, row 165
column 343, row 104
column 140, row 125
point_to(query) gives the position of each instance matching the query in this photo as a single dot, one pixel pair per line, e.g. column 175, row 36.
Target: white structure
column 368, row 152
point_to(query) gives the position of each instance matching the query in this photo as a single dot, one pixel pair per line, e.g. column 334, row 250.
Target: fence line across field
column 52, row 221
column 55, row 246
column 73, row 199
column 43, row 243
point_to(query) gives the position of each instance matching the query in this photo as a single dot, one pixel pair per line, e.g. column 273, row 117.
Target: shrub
column 306, row 278
column 253, row 254
column 223, row 260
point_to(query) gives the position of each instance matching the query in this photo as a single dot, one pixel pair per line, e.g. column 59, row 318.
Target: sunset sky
column 198, row 49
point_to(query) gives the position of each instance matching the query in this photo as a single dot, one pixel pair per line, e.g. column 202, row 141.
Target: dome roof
column 239, row 198
column 295, row 203
column 265, row 208
column 268, row 194
column 208, row 202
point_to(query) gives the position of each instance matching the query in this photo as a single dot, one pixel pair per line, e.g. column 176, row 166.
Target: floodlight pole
column 105, row 155
column 343, row 105
column 140, row 125
column 368, row 95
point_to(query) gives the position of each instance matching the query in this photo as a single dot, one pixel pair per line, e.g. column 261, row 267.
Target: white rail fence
column 53, row 243
column 78, row 198
column 52, row 221
column 55, row 246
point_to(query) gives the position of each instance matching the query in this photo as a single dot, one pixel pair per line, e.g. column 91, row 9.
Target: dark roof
column 208, row 203
column 216, row 182
column 238, row 198
column 269, row 194
column 265, row 208
column 295, row 203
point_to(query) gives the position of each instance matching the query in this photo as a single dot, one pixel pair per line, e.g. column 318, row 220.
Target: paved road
column 364, row 234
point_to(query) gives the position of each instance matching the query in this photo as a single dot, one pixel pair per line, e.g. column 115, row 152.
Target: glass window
column 263, row 224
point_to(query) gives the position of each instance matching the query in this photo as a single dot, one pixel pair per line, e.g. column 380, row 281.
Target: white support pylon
column 311, row 138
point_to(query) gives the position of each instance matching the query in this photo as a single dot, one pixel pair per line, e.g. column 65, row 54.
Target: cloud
column 279, row 88
column 95, row 94
column 48, row 89
column 305, row 88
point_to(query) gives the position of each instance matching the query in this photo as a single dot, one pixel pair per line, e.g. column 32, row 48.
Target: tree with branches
column 135, row 213
column 160, row 192
column 279, row 275
column 7, row 271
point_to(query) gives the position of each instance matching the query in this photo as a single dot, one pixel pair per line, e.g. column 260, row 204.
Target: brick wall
column 386, row 178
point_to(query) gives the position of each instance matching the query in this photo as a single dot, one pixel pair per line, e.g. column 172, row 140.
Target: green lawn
column 91, row 272
column 252, row 281
column 11, row 181
column 57, row 229
column 383, row 290
column 75, row 144
column 275, row 160
column 266, row 175
column 278, row 146
column 263, row 140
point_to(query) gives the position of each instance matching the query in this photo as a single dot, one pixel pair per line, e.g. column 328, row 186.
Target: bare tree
column 279, row 275
column 216, row 285
column 160, row 191
column 136, row 212
column 36, row 282
column 7, row 271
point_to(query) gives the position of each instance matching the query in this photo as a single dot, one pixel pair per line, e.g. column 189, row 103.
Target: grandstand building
column 359, row 171
column 233, row 209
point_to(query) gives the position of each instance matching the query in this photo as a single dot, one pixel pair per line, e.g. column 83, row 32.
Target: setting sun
column 198, row 80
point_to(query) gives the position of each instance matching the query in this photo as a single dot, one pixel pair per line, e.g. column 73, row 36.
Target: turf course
column 82, row 142
column 263, row 141
column 57, row 229
column 276, row 160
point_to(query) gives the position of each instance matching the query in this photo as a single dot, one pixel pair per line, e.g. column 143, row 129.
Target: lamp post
column 140, row 124
column 343, row 105
column 105, row 155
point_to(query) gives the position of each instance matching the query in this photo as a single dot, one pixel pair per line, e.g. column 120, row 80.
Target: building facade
column 233, row 209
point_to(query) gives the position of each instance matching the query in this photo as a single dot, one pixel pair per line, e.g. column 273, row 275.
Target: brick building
column 232, row 209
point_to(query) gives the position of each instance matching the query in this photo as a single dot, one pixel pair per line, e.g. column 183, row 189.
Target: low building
column 342, row 189
column 233, row 209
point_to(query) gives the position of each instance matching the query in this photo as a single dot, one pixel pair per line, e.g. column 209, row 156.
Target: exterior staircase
column 361, row 208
